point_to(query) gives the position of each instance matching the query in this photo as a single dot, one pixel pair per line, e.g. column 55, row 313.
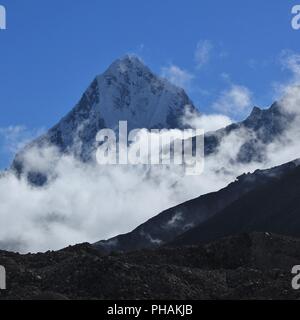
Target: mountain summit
column 126, row 91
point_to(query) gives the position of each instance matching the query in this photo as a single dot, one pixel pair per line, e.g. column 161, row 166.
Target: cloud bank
column 88, row 202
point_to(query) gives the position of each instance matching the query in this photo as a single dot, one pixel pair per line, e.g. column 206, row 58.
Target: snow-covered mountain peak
column 127, row 91
column 130, row 91
column 129, row 63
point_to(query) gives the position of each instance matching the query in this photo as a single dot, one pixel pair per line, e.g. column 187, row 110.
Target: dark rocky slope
column 176, row 221
column 256, row 266
column 273, row 207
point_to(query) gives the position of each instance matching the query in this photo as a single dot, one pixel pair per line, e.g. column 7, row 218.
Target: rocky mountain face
column 261, row 128
column 248, row 266
column 272, row 207
column 185, row 218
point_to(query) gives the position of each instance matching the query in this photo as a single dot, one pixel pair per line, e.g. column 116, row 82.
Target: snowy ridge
column 127, row 91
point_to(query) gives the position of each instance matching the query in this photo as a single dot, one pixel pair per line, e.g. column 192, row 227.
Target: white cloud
column 177, row 76
column 88, row 202
column 13, row 138
column 288, row 93
column 291, row 61
column 203, row 53
column 207, row 122
column 236, row 101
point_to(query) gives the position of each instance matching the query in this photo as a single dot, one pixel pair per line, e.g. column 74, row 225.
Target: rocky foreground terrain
column 248, row 266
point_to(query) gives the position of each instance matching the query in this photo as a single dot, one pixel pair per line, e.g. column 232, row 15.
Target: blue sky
column 52, row 50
